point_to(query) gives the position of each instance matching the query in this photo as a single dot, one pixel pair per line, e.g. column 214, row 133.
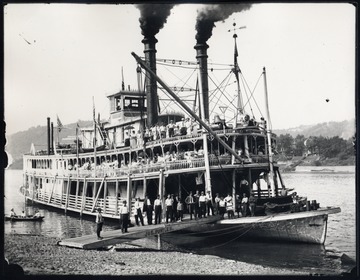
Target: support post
column 116, row 195
column 246, row 147
column 250, row 181
column 234, row 187
column 105, row 193
column 162, row 191
column 62, row 190
column 67, row 194
column 52, row 190
column 83, row 200
column 233, row 146
column 77, row 192
column 144, row 186
column 128, row 193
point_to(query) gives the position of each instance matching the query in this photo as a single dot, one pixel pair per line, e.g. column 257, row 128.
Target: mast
column 48, row 136
column 77, row 149
column 268, row 133
column 94, row 138
column 239, row 106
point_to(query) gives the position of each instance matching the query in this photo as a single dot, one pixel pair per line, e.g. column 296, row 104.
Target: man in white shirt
column 170, row 128
column 124, row 217
column 217, row 200
column 244, row 205
column 158, row 210
column 138, row 212
column 168, row 203
column 209, row 204
column 202, row 202
column 189, row 200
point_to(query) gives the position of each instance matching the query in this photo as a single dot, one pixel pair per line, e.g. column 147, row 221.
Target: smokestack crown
column 153, row 17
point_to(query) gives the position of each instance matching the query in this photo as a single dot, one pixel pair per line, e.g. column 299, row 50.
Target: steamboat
column 143, row 151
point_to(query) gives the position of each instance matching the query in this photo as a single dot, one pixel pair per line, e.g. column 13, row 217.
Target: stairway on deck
column 114, row 237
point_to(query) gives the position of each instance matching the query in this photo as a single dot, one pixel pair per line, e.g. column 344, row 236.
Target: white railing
column 77, row 204
column 178, row 164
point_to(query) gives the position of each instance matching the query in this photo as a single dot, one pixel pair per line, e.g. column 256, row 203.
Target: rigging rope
column 252, row 92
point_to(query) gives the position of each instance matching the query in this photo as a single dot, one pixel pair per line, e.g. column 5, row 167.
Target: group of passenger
column 157, row 158
column 187, row 126
column 198, row 205
column 244, row 206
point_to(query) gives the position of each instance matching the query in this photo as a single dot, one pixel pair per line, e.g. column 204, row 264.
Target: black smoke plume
column 207, row 16
column 153, row 17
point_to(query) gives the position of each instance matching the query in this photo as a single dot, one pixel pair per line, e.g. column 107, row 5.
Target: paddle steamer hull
column 303, row 227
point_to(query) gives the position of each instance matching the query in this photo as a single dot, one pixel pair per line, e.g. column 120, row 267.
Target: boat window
column 118, row 103
column 131, row 103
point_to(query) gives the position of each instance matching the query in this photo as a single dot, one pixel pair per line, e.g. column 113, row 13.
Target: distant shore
column 40, row 255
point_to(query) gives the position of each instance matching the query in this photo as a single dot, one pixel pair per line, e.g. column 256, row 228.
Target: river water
column 331, row 188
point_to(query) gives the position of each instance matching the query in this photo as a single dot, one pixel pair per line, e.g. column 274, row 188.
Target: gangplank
column 113, row 237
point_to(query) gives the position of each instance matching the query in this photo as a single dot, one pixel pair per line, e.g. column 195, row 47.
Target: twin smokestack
column 152, row 19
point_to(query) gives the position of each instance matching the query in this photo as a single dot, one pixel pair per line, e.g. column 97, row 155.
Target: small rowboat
column 23, row 219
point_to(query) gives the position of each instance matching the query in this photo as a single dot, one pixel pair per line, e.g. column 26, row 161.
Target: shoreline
column 40, row 255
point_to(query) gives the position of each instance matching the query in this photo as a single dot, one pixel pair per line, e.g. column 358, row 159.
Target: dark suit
column 148, row 209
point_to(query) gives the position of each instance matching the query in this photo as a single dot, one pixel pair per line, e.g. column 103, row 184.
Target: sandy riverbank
column 40, row 255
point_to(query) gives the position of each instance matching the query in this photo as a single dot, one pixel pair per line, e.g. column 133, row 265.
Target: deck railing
column 108, row 205
column 136, row 168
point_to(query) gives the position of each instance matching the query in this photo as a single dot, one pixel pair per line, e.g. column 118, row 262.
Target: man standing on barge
column 138, row 212
column 124, row 217
column 158, row 210
column 148, row 209
column 99, row 220
column 189, row 200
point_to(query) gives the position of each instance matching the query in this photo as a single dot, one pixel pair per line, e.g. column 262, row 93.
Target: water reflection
column 309, row 257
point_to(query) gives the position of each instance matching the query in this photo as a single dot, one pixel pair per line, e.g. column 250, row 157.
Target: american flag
column 122, row 83
column 59, row 124
column 93, row 109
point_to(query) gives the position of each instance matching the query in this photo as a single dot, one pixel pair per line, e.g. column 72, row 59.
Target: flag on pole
column 94, row 110
column 59, row 124
column 122, row 76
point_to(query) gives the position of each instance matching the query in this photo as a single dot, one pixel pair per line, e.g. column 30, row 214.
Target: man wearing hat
column 99, row 223
column 138, row 212
column 124, row 217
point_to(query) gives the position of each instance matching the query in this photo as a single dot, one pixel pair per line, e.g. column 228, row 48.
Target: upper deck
column 175, row 154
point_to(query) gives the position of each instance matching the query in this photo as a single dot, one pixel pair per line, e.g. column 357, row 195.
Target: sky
column 59, row 57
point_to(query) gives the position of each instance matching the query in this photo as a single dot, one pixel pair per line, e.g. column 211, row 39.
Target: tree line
column 328, row 147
